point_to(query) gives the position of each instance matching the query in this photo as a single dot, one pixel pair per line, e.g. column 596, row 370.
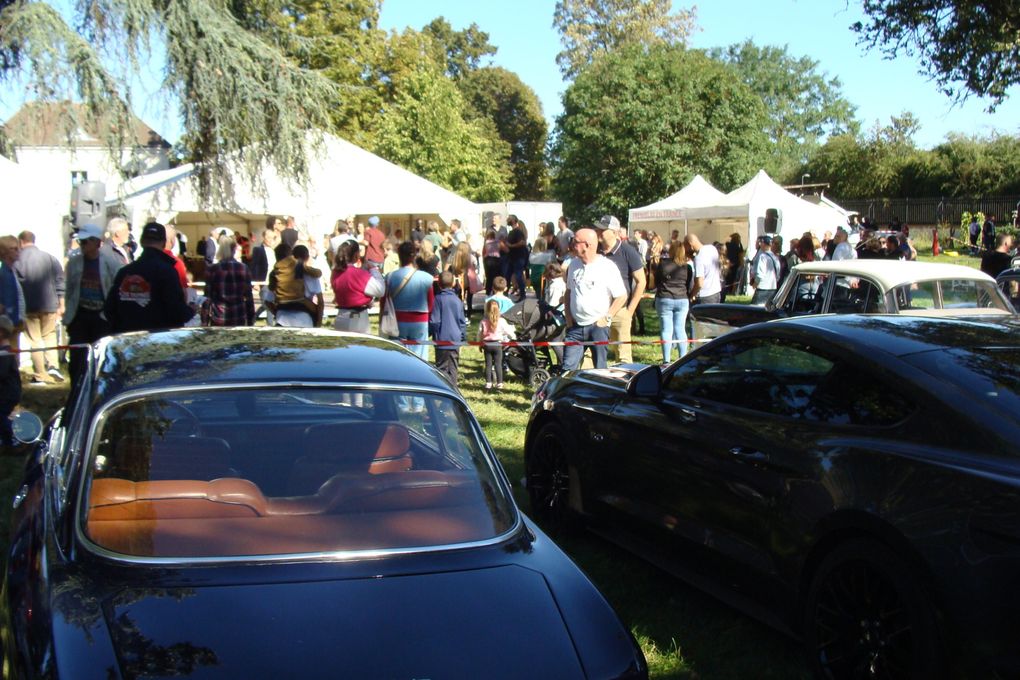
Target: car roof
column 892, row 273
column 200, row 356
column 900, row 335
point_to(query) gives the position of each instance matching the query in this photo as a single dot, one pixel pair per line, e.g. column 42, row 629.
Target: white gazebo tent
column 670, row 213
column 344, row 181
column 743, row 211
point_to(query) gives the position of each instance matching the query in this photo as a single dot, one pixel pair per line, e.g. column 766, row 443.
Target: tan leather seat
column 121, row 499
column 354, row 447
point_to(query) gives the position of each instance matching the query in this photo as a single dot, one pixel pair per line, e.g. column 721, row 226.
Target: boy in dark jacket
column 10, row 381
column 447, row 325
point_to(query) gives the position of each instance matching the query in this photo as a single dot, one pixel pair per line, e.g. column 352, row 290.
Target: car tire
column 866, row 616
column 549, row 481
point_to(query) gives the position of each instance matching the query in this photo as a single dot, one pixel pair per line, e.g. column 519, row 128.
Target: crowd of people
column 592, row 280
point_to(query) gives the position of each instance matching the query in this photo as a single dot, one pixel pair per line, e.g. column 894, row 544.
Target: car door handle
column 749, row 454
column 687, row 415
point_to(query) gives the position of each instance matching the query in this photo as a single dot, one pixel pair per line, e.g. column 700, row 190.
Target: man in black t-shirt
column 994, row 262
column 632, row 269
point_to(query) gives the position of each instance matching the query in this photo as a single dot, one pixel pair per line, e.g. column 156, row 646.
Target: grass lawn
column 684, row 633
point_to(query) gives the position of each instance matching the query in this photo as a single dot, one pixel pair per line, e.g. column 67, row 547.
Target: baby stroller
column 535, row 321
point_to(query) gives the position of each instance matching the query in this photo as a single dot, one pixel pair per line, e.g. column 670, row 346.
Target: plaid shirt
column 228, row 288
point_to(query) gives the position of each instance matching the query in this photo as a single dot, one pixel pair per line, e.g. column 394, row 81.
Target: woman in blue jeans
column 674, row 281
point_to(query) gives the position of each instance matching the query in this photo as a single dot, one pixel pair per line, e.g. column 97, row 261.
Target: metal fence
column 931, row 211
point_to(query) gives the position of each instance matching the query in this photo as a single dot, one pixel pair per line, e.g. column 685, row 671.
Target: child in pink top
column 494, row 329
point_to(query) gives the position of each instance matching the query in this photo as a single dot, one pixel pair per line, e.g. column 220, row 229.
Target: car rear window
column 957, row 294
column 242, row 472
column 989, row 375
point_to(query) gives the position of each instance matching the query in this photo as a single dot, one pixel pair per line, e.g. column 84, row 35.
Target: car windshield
column 991, row 375
column 954, row 294
column 274, row 471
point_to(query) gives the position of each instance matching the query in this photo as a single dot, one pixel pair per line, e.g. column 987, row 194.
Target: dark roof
column 899, row 334
column 45, row 124
column 201, row 356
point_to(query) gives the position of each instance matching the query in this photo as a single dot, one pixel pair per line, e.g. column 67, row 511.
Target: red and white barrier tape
column 436, row 343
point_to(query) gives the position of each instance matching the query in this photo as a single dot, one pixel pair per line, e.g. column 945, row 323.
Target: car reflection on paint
column 853, row 480
column 276, row 503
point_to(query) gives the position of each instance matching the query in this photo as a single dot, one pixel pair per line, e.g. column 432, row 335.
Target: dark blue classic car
column 852, row 479
column 246, row 503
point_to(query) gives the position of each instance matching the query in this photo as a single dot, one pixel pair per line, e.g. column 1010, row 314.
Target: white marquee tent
column 741, row 211
column 344, row 180
column 32, row 204
column 698, row 192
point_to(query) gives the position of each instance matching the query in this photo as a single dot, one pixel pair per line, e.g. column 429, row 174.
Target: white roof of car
column 891, row 273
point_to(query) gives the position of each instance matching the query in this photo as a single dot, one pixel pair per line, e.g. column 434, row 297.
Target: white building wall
column 50, row 171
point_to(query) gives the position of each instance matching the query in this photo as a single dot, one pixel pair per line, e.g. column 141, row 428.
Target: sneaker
column 55, row 373
column 42, row 380
column 499, row 386
column 488, row 386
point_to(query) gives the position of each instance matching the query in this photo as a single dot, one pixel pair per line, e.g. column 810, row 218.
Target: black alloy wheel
column 867, row 617
column 548, row 477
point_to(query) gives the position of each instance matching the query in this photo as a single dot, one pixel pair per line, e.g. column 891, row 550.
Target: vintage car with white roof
column 863, row 287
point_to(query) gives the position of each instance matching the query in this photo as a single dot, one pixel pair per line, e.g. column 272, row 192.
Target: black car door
column 716, row 448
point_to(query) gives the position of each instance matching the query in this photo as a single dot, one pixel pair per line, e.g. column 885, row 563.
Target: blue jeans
column 415, row 330
column 572, row 354
column 673, row 324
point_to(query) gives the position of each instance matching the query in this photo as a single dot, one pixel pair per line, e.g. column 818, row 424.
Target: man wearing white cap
column 373, row 240
column 88, row 277
column 632, row 270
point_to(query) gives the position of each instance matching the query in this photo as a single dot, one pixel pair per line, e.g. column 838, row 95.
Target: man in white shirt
column 707, row 273
column 595, row 292
column 765, row 272
column 843, row 251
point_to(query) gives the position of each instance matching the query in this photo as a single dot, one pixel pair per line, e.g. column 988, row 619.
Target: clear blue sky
column 819, row 29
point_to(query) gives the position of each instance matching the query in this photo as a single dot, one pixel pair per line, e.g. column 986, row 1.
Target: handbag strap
column 402, row 284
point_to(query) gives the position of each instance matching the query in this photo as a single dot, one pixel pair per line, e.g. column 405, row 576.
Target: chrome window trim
column 334, row 555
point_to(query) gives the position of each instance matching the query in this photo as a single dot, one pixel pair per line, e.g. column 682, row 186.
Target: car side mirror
column 646, row 383
column 27, row 427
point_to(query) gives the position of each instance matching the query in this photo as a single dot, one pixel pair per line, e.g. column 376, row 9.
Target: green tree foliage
column 240, row 97
column 886, row 163
column 339, row 39
column 424, row 131
column 501, row 97
column 639, row 123
column 970, row 47
column 461, row 51
column 590, row 28
column 803, row 105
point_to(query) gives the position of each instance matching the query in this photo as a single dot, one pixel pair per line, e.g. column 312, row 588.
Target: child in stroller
column 535, row 321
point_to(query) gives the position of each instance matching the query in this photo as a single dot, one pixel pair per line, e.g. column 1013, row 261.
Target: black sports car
column 852, row 479
column 275, row 503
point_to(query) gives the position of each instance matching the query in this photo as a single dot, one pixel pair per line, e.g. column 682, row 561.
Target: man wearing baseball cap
column 147, row 294
column 88, row 277
column 373, row 240
column 632, row 270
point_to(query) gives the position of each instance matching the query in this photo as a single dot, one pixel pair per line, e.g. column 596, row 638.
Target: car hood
column 490, row 622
